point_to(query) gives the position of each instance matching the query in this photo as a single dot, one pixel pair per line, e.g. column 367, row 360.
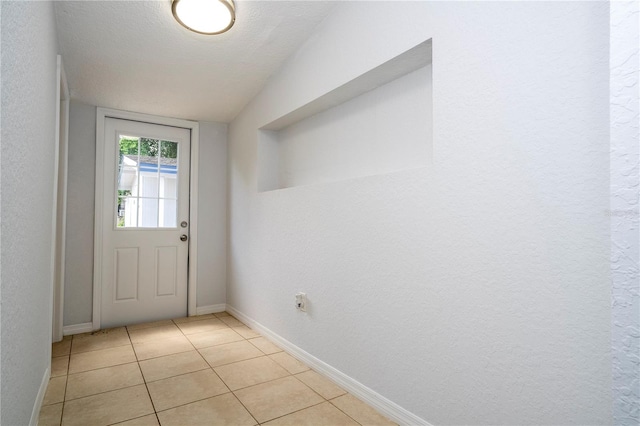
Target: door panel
column 126, row 274
column 146, row 196
column 166, row 271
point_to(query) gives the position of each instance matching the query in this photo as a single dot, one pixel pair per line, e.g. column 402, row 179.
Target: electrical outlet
column 301, row 302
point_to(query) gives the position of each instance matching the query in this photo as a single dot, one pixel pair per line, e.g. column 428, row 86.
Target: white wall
column 81, row 191
column 475, row 291
column 625, row 180
column 28, row 137
column 212, row 215
column 78, row 290
column 384, row 130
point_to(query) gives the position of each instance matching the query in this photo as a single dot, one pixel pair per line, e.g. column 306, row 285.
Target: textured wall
column 368, row 135
column 212, row 215
column 78, row 288
column 625, row 161
column 28, row 136
column 80, row 213
column 473, row 291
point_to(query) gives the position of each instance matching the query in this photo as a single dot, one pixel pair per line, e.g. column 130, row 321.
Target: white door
column 145, row 228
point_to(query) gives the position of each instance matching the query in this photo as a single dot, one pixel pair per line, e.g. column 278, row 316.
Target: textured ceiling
column 132, row 55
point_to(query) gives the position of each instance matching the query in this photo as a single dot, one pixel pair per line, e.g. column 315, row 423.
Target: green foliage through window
column 148, row 147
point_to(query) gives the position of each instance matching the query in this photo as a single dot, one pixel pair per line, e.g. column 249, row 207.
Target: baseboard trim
column 35, row 414
column 68, row 330
column 211, row 309
column 374, row 399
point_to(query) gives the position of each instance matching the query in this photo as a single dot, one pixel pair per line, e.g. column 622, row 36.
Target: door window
column 147, row 183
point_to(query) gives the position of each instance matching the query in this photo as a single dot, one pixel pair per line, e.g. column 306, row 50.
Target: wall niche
column 379, row 122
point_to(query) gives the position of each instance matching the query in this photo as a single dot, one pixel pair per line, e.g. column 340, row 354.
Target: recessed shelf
column 377, row 123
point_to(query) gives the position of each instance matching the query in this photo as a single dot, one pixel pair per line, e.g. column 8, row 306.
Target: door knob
column 183, row 237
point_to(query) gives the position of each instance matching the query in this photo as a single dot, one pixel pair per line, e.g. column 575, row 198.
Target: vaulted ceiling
column 133, row 55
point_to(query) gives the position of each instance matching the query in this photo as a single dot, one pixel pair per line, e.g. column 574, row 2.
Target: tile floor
column 204, row 370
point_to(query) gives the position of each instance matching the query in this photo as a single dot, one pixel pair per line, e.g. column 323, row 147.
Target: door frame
column 101, row 115
column 59, row 215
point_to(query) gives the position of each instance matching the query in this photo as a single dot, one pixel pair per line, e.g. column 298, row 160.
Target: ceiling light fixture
column 205, row 16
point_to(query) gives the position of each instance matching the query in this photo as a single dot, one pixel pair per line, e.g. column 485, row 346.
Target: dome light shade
column 205, row 16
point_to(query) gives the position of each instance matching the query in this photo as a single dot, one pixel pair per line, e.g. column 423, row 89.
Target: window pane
column 126, row 212
column 168, row 186
column 120, row 211
column 149, row 148
column 129, row 148
column 148, row 213
column 169, row 169
column 127, row 181
column 168, row 217
column 169, row 149
column 148, row 185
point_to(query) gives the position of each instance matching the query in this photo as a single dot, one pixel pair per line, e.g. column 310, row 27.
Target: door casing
column 101, row 115
column 59, row 219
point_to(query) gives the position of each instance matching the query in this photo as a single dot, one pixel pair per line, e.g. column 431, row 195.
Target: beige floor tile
column 222, row 314
column 289, row 363
column 231, row 321
column 154, row 333
column 325, row 387
column 99, row 359
column 109, row 407
column 264, row 345
column 225, row 409
column 213, row 338
column 246, row 332
column 277, row 398
column 180, row 390
column 50, row 415
column 105, row 379
column 250, row 372
column 172, row 365
column 149, row 324
column 319, row 415
column 59, row 366
column 202, row 326
column 359, row 411
column 101, row 339
column 62, row 347
column 150, row 420
column 230, row 352
column 157, row 348
column 193, row 318
column 55, row 390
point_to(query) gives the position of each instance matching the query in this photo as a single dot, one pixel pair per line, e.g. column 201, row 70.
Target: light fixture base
column 208, row 17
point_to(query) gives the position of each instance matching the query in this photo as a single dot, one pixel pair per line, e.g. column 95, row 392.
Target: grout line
column 100, row 368
column 193, row 402
column 258, row 384
column 144, row 381
column 342, row 411
column 103, row 392
column 296, row 411
column 100, row 349
column 313, row 390
column 161, row 356
column 244, row 406
column 235, row 362
column 62, row 413
column 177, row 375
column 134, row 418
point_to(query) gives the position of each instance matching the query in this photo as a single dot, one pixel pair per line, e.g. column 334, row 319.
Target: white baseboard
column 374, row 399
column 211, row 309
column 77, row 328
column 35, row 414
